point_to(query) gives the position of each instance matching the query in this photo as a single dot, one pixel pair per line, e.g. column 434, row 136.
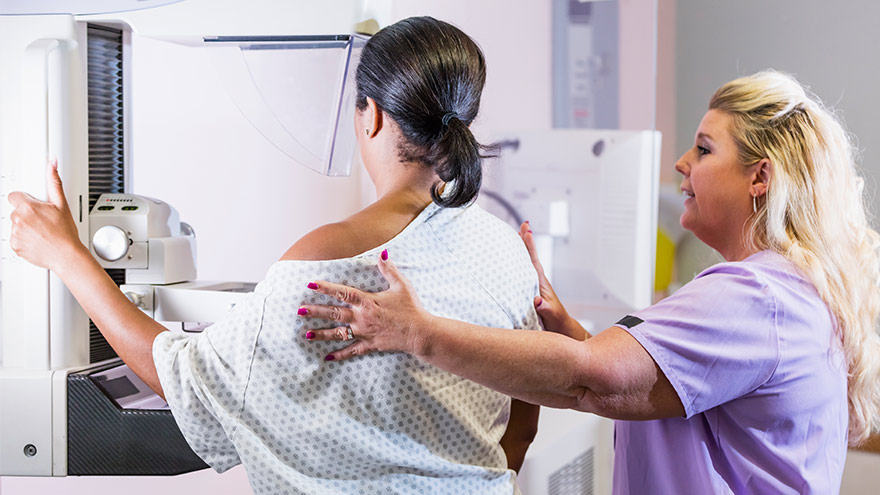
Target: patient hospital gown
column 251, row 389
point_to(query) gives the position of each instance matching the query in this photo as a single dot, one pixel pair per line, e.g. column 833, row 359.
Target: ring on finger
column 349, row 334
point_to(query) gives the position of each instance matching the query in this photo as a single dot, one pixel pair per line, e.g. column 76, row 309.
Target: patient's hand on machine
column 45, row 234
column 553, row 314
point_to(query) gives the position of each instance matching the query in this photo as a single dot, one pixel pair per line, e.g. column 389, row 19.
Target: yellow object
column 663, row 268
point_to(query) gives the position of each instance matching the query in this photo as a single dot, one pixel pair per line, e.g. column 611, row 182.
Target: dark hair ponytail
column 428, row 75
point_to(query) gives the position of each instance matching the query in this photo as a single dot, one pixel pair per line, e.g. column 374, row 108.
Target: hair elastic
column 449, row 116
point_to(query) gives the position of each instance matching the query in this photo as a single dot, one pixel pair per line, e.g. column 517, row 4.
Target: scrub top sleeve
column 202, row 383
column 715, row 339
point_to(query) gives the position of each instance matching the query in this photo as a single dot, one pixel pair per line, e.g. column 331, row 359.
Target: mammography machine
column 590, row 197
column 67, row 404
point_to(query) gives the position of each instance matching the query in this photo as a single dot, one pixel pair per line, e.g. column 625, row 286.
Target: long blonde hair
column 814, row 214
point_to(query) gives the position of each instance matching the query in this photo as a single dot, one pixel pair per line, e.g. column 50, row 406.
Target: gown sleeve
column 202, row 378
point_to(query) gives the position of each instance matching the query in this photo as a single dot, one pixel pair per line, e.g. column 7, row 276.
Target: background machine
column 591, row 199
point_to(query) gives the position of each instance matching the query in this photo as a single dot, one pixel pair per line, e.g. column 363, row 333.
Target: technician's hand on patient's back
column 390, row 320
column 380, row 321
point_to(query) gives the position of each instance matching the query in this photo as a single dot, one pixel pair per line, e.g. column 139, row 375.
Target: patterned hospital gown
column 250, row 389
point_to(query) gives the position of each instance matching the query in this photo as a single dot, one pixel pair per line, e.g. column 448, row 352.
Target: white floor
column 232, row 482
column 861, row 476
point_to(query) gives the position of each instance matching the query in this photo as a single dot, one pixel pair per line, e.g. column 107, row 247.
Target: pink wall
column 515, row 38
column 666, row 93
column 638, row 40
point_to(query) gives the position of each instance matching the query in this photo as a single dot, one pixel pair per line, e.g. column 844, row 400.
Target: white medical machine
column 68, row 406
column 590, row 197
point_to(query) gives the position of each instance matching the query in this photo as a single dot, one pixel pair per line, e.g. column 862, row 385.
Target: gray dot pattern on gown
column 250, row 389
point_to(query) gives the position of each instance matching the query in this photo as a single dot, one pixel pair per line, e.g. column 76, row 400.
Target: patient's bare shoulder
column 327, row 242
column 358, row 233
column 371, row 227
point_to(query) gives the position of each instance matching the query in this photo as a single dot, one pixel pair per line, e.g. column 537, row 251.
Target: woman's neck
column 403, row 186
column 404, row 200
column 737, row 254
column 737, row 250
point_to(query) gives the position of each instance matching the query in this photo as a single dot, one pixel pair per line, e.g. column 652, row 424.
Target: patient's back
column 381, row 423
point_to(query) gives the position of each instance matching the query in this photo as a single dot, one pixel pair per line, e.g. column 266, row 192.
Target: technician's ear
column 761, row 174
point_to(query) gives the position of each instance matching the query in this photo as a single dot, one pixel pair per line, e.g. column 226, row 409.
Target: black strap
column 630, row 321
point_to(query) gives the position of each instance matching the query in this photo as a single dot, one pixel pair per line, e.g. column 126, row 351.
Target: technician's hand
column 390, row 320
column 43, row 232
column 553, row 314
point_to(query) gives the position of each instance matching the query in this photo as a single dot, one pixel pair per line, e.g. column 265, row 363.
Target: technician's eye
column 702, row 150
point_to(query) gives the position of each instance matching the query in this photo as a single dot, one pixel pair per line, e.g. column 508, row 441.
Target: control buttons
column 106, row 208
column 110, row 243
column 129, row 208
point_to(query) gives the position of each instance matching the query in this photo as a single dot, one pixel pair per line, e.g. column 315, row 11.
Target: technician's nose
column 681, row 166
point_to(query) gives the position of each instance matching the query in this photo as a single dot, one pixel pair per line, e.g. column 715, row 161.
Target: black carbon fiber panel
column 104, row 439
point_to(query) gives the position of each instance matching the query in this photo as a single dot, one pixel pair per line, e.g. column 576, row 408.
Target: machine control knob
column 110, row 242
column 135, row 298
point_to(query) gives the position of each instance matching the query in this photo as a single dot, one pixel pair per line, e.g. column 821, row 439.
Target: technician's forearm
column 537, row 367
column 129, row 331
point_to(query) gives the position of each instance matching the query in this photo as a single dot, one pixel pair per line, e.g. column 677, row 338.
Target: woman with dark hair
column 387, row 423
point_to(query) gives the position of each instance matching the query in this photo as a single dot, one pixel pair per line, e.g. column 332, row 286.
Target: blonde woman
column 753, row 377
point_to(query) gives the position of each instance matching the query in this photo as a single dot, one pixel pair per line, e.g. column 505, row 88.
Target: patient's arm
column 521, row 430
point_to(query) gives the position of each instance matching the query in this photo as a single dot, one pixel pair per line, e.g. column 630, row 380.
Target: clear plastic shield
column 297, row 91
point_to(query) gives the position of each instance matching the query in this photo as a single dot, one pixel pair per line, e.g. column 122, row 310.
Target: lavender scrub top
column 751, row 352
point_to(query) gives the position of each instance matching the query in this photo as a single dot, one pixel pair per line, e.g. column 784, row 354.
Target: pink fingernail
column 329, row 357
column 384, row 255
column 530, row 231
column 302, row 311
column 540, row 302
column 313, row 286
column 310, row 335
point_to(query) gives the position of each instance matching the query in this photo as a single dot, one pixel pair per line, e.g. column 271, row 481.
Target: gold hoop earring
column 755, row 204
